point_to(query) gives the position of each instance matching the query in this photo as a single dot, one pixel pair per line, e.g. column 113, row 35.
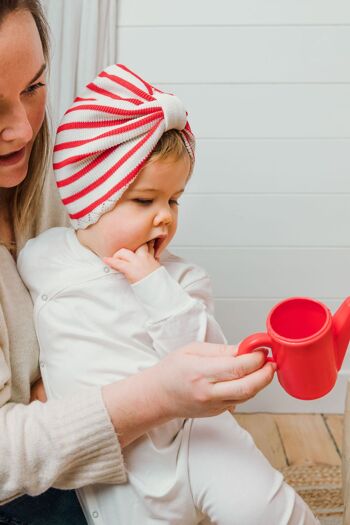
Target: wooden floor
column 296, row 439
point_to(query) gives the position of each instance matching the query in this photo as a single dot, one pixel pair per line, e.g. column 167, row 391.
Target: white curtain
column 83, row 34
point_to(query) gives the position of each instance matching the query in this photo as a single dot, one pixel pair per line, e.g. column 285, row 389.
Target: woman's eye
column 143, row 201
column 33, row 88
column 174, row 202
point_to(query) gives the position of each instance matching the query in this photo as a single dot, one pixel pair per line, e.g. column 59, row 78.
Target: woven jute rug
column 321, row 487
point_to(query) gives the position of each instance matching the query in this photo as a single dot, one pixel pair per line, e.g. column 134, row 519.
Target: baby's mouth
column 157, row 243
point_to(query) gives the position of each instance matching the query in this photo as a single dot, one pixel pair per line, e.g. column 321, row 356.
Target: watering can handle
column 254, row 342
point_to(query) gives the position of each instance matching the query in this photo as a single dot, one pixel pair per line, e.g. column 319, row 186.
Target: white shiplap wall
column 267, row 212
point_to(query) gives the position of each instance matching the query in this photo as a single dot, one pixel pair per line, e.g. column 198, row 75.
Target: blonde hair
column 24, row 198
column 171, row 144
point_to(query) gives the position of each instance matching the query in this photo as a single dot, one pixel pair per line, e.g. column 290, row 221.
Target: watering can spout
column 341, row 330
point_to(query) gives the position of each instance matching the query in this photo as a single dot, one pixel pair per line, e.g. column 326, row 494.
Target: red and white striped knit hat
column 106, row 137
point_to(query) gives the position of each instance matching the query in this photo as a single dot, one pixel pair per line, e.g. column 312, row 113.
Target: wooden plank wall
column 267, row 88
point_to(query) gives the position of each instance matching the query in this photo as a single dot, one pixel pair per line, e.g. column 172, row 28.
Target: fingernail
column 263, row 350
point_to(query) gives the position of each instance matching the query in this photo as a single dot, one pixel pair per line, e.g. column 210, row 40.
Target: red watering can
column 308, row 344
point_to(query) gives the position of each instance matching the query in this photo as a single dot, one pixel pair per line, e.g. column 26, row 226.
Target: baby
column 111, row 300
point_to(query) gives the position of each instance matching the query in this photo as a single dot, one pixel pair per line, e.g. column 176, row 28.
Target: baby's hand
column 134, row 265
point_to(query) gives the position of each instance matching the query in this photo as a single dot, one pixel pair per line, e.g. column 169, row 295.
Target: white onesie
column 95, row 328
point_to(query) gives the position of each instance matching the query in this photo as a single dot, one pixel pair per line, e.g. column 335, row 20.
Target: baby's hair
column 170, row 144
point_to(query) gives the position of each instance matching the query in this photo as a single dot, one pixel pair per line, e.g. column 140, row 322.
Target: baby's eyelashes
column 143, row 201
column 146, row 202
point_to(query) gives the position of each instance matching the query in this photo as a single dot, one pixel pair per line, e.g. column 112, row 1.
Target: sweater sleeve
column 178, row 315
column 67, row 444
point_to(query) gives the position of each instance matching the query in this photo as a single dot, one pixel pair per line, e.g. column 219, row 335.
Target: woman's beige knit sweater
column 66, row 444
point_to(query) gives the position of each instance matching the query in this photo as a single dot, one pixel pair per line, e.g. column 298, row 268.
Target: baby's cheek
column 120, row 239
column 131, row 237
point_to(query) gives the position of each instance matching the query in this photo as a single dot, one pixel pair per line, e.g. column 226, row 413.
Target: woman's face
column 22, row 94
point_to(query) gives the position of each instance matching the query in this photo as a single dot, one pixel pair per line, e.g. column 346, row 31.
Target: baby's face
column 148, row 210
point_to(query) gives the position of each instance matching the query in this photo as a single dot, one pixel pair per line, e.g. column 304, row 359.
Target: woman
column 71, row 443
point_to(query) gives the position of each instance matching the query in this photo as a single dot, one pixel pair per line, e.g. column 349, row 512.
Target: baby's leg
column 233, row 483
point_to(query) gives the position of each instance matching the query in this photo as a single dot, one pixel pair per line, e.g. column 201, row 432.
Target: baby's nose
column 163, row 217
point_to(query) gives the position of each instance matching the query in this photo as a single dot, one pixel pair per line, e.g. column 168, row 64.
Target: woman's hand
column 199, row 380
column 37, row 392
column 204, row 379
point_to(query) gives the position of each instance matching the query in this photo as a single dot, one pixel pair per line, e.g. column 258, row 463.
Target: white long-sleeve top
column 94, row 328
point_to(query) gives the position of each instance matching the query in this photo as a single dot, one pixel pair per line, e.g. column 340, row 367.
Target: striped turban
column 106, row 137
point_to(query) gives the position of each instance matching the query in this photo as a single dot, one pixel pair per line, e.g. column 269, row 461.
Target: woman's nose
column 16, row 128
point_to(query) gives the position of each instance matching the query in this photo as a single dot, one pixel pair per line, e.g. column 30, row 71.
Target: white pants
column 235, row 484
column 229, row 482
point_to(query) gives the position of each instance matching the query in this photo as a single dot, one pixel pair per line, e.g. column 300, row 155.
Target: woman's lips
column 12, row 158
